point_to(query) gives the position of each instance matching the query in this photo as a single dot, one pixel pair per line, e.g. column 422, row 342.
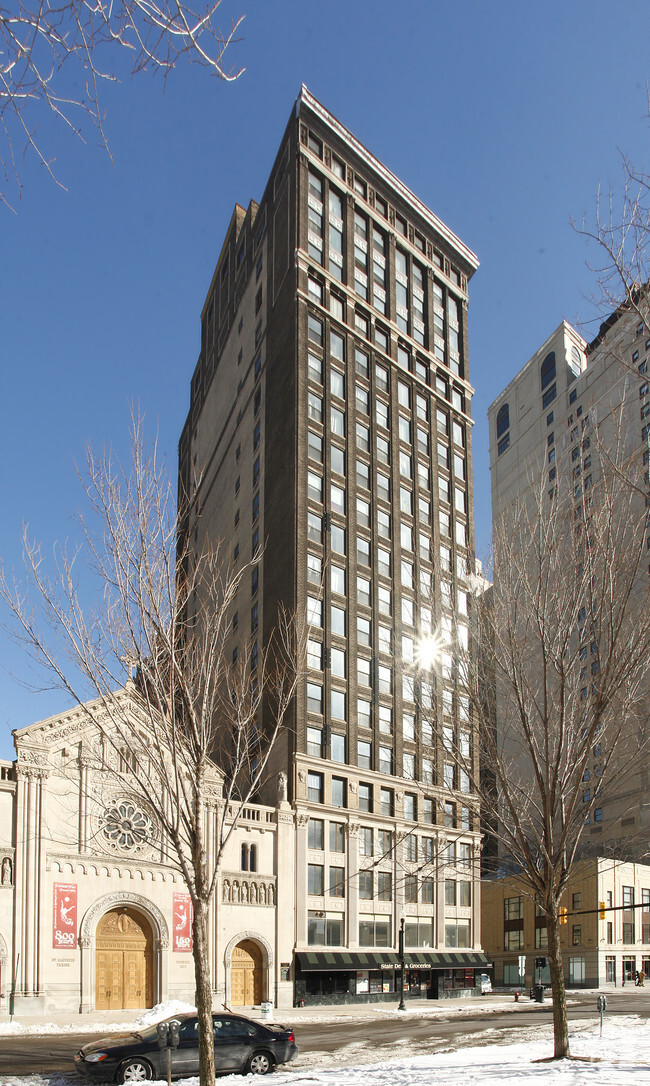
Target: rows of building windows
column 255, row 457
column 334, row 791
column 627, row 928
column 327, row 928
column 383, row 209
column 390, row 615
column 376, row 264
column 379, row 844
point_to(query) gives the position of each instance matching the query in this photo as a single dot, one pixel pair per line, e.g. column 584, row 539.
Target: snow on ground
column 620, row 1058
column 78, row 1025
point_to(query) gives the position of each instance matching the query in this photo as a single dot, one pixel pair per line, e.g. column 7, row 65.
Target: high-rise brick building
column 328, row 442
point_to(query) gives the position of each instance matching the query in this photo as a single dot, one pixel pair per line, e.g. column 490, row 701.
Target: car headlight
column 95, row 1057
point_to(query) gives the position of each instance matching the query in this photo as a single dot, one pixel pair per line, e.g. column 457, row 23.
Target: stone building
column 328, row 443
column 93, row 916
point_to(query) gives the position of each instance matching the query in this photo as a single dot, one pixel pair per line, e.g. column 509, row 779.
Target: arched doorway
column 123, row 961
column 246, row 974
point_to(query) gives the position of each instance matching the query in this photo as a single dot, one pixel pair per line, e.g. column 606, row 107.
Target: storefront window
column 457, row 978
column 511, row 973
column 374, row 931
column 418, row 932
column 324, row 929
column 457, row 933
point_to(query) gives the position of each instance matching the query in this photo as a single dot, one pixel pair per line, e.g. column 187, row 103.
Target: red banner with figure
column 182, row 922
column 64, row 934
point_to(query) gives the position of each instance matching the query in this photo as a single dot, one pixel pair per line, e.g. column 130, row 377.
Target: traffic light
column 602, row 910
column 563, row 915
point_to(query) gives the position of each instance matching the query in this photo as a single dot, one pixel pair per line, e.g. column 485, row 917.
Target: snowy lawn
column 621, row 1057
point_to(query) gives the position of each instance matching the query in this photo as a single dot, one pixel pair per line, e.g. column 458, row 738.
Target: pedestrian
column 636, row 978
column 641, row 979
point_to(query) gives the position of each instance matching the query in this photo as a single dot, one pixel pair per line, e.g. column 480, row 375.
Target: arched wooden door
column 246, row 974
column 123, row 961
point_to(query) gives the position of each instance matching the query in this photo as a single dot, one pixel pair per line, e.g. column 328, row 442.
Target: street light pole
column 402, row 1006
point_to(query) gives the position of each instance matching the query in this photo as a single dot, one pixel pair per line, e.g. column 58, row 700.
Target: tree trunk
column 560, row 1024
column 203, row 993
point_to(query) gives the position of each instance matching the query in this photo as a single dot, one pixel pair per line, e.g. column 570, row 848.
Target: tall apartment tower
column 572, row 405
column 330, row 424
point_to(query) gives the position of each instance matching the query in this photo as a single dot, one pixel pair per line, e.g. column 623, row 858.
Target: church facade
column 92, row 915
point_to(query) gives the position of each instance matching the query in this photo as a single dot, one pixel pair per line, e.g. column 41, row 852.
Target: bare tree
column 619, row 232
column 563, row 639
column 199, row 730
column 47, row 50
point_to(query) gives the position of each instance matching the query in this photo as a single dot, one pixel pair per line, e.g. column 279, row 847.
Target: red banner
column 182, row 922
column 64, row 934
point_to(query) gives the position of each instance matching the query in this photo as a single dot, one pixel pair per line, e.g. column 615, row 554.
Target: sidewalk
column 95, row 1020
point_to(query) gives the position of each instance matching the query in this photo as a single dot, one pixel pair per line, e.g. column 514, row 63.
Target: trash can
column 267, row 1011
column 538, row 993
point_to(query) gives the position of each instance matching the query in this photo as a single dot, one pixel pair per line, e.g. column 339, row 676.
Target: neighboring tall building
column 328, row 442
column 571, row 407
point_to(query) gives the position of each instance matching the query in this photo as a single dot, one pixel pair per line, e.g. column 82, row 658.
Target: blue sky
column 502, row 117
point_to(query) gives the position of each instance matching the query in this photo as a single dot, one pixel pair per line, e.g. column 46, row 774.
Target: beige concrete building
column 605, row 927
column 572, row 406
column 92, row 915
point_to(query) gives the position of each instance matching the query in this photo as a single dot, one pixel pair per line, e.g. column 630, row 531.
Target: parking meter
column 601, row 1003
column 161, row 1031
column 174, row 1035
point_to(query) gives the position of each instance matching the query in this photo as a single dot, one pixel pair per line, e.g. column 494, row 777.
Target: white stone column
column 30, row 907
column 441, row 869
column 302, row 821
column 287, row 910
column 476, row 898
column 83, row 804
column 353, row 884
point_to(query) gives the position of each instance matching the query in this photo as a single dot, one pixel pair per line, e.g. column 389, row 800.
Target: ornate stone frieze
column 239, row 888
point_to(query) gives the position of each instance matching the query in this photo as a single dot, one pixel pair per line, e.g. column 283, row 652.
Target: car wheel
column 135, row 1070
column 260, row 1063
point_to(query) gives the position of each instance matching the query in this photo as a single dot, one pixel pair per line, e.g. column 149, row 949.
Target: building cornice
column 389, row 178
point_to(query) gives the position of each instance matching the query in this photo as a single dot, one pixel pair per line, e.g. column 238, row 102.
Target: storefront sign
column 64, row 929
column 182, row 922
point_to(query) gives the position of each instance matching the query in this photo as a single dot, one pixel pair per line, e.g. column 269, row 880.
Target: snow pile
column 163, row 1010
column 84, row 1025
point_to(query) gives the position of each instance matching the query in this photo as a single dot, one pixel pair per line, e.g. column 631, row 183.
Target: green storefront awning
column 339, row 960
column 436, row 959
column 330, row 961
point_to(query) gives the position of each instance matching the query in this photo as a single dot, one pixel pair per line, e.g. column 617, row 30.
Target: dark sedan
column 239, row 1045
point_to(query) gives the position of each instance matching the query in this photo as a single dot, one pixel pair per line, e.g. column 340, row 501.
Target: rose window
column 125, row 825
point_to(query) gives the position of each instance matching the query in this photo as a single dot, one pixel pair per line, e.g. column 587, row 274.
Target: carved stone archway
column 87, row 943
column 268, row 987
